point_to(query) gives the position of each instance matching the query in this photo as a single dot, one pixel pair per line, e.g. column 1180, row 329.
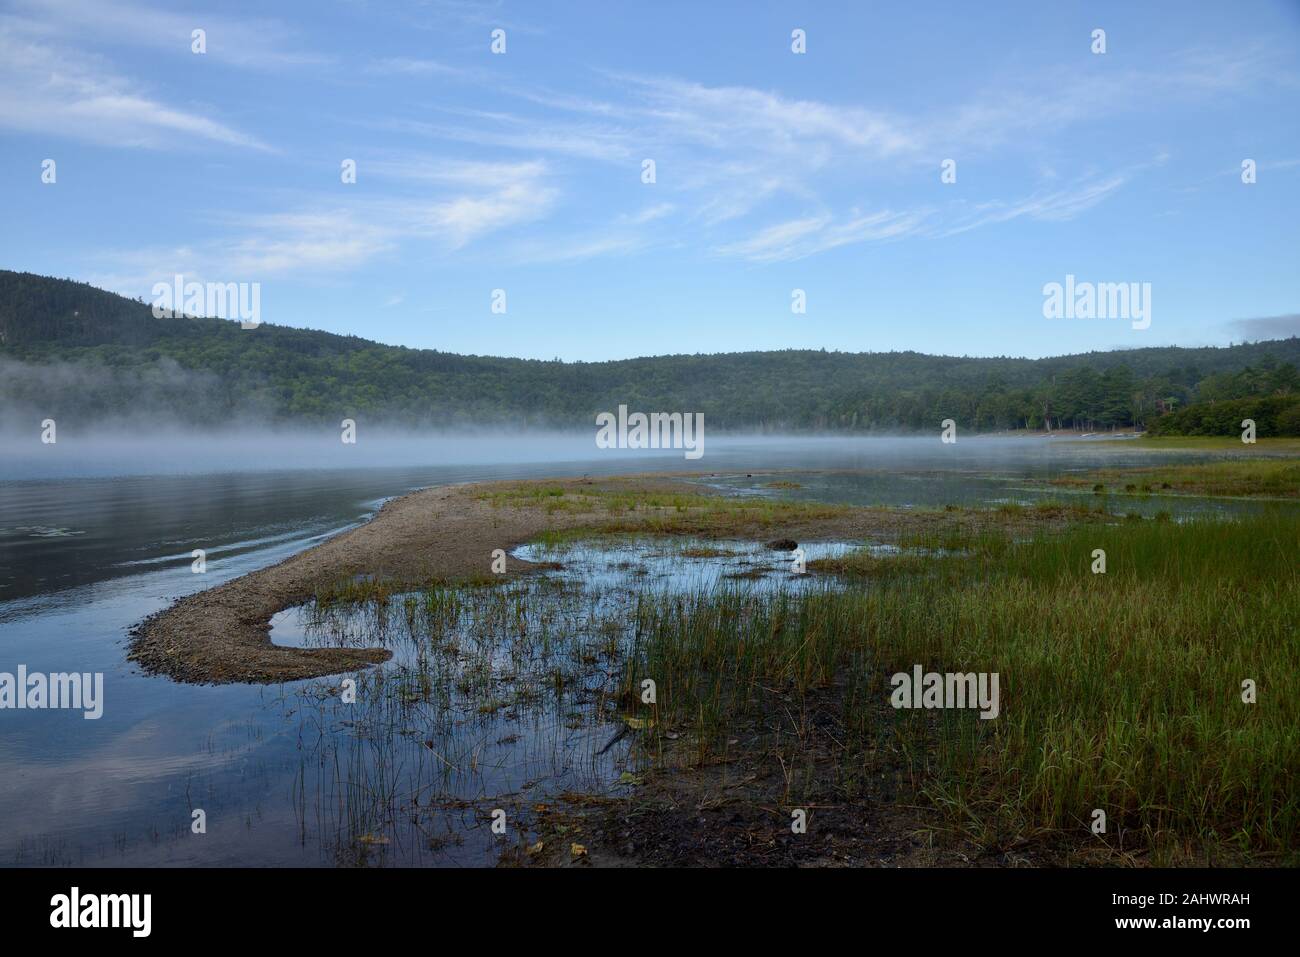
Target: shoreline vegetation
column 1121, row 691
column 1235, row 478
column 448, row 534
column 112, row 358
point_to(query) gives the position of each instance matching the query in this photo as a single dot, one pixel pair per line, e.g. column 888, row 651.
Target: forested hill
column 69, row 349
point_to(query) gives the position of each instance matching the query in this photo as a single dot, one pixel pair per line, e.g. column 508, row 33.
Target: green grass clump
column 863, row 564
column 355, row 591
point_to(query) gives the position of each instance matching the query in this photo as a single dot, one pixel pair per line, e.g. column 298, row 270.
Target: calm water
column 284, row 774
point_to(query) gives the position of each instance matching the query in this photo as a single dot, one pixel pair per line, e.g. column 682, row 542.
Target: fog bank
column 134, row 451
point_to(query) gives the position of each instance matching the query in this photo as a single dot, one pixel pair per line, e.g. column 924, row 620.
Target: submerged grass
column 1120, row 691
column 374, row 589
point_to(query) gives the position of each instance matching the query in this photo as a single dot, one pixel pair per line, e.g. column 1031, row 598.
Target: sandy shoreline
column 222, row 635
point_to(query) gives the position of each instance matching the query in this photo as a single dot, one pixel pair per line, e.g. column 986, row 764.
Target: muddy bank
column 222, row 635
column 734, row 808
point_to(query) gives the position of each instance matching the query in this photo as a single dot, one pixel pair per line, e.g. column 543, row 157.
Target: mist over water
column 134, row 451
column 126, row 452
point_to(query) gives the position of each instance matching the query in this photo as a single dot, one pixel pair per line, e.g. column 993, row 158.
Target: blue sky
column 774, row 170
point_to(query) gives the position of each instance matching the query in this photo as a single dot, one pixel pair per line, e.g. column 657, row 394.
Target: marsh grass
column 701, row 551
column 618, row 511
column 1271, row 445
column 1244, row 477
column 1119, row 691
column 865, row 564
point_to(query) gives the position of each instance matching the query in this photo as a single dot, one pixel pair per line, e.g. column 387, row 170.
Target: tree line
column 70, row 349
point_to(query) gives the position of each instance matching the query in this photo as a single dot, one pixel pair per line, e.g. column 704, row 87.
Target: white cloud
column 806, row 236
column 253, row 43
column 465, row 218
column 313, row 242
column 724, row 116
column 479, row 175
column 477, row 200
column 649, row 214
column 411, row 66
column 260, row 248
column 800, row 238
column 1053, row 206
column 573, row 249
column 774, row 241
column 509, row 131
column 48, row 90
column 728, row 151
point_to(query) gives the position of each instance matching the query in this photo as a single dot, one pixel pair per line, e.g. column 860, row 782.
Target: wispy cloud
column 475, row 201
column 479, row 198
column 524, row 134
column 412, row 66
column 320, row 242
column 800, row 238
column 283, row 244
column 648, row 214
column 461, row 220
column 723, row 116
column 1058, row 205
column 728, row 151
column 255, row 43
column 428, row 14
column 573, row 249
column 49, row 90
column 422, row 168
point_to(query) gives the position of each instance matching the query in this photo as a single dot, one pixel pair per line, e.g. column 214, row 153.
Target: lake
column 97, row 535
